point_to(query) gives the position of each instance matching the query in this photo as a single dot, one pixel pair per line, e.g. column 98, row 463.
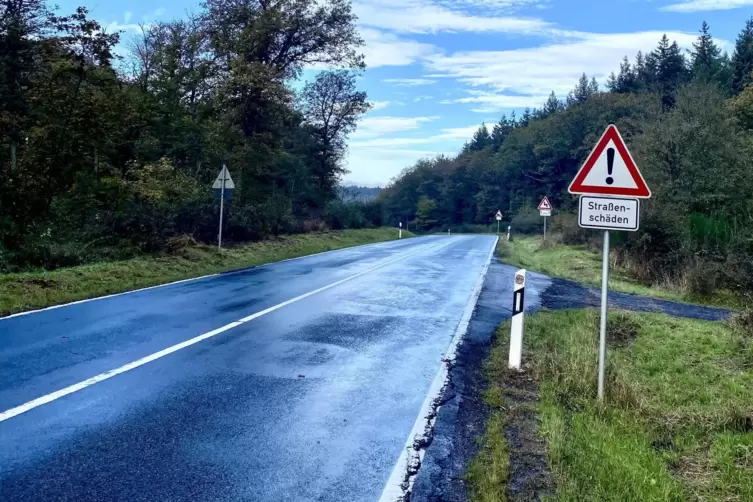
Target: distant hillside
column 358, row 193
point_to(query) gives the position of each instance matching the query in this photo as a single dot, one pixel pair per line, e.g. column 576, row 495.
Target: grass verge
column 19, row 292
column 578, row 263
column 677, row 423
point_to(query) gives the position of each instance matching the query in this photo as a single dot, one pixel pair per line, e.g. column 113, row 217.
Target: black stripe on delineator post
column 518, row 301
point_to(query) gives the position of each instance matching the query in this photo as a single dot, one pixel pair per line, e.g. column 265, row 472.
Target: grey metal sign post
column 222, row 184
column 610, row 185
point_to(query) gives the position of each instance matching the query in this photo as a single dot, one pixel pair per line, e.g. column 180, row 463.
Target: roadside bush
column 742, row 323
column 702, row 278
column 565, row 225
column 373, row 212
column 738, row 265
column 527, row 221
column 341, row 215
column 662, row 249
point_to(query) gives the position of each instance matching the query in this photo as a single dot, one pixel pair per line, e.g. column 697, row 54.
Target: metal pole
column 222, row 208
column 497, row 227
column 544, row 227
column 603, row 324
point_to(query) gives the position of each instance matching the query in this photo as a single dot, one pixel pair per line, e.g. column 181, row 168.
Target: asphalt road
column 308, row 400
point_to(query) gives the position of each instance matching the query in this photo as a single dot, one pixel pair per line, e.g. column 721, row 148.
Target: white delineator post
column 400, row 231
column 516, row 326
column 509, row 228
column 603, row 323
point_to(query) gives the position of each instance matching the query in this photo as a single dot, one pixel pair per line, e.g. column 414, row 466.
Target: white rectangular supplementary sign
column 609, row 213
column 545, row 212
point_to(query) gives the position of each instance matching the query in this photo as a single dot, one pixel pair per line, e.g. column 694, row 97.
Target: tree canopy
column 691, row 141
column 116, row 155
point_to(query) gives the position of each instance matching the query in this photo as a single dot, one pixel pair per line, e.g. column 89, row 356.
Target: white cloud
column 456, row 135
column 379, row 159
column 115, row 27
column 703, row 5
column 490, row 4
column 377, row 166
column 128, row 27
column 387, row 49
column 534, row 72
column 495, row 102
column 369, row 127
column 379, row 105
column 427, row 16
column 409, row 82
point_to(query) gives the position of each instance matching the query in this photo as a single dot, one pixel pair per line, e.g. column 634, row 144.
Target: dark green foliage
column 97, row 164
column 742, row 58
column 692, row 143
column 527, row 221
column 706, row 62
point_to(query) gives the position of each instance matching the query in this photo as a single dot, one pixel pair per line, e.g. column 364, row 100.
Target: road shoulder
column 35, row 290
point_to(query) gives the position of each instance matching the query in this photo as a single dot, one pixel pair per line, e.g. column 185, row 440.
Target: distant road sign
column 545, row 205
column 609, row 213
column 224, row 176
column 610, row 170
column 499, row 215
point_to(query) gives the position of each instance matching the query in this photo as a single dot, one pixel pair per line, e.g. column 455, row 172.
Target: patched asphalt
column 462, row 419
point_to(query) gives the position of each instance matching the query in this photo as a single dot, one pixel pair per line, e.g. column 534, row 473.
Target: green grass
column 488, row 472
column 578, row 263
column 677, row 423
column 19, row 292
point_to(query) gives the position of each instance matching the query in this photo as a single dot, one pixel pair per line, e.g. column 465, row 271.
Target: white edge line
column 23, row 408
column 396, row 488
column 230, row 272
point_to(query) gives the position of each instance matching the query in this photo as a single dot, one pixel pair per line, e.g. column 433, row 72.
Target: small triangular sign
column 610, row 170
column 545, row 205
column 224, row 175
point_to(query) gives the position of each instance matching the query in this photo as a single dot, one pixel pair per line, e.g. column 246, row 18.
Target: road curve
column 305, row 400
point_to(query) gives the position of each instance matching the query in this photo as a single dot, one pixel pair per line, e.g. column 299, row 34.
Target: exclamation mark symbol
column 610, row 165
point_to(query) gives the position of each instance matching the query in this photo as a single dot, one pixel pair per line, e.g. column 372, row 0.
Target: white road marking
column 398, row 484
column 5, row 415
column 85, row 300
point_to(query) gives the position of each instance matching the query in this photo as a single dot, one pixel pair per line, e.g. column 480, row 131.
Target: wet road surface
column 313, row 400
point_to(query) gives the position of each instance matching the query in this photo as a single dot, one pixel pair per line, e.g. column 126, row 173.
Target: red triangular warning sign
column 545, row 205
column 610, row 170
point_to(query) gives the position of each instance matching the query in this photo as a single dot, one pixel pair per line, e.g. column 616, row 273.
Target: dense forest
column 105, row 156
column 688, row 121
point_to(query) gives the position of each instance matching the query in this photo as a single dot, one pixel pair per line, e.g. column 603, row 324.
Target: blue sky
column 439, row 68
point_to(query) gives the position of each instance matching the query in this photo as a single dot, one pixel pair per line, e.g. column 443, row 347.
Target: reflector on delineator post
column 516, row 323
